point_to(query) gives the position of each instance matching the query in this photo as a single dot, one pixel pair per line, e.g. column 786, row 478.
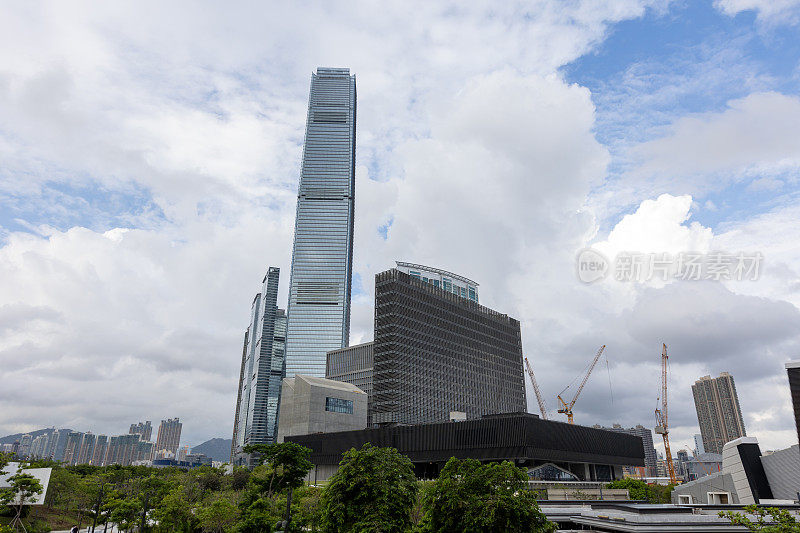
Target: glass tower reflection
column 322, row 258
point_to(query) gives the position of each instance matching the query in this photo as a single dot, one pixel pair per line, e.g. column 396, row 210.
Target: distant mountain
column 11, row 439
column 217, row 449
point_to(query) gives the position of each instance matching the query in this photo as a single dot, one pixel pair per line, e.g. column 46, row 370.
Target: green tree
column 218, row 515
column 639, row 490
column 780, row 520
column 472, row 497
column 174, row 511
column 260, row 514
column 5, row 458
column 305, row 508
column 125, row 512
column 374, row 490
column 288, row 464
column 23, row 489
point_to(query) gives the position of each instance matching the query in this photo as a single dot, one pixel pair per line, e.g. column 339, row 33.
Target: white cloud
column 658, row 226
column 755, row 135
column 771, row 11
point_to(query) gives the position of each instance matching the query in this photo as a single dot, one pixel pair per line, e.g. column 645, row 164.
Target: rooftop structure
column 449, row 282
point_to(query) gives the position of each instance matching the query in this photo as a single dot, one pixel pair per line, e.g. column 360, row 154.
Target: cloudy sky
column 150, row 153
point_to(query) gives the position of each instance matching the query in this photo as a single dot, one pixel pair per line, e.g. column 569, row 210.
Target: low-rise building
column 550, row 450
column 746, row 477
column 318, row 405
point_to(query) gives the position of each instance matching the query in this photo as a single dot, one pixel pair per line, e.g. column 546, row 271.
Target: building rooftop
column 328, row 383
column 352, row 346
column 515, row 436
column 403, row 264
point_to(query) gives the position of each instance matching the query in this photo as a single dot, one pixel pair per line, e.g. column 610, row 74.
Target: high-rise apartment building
column 718, row 411
column 145, row 430
column 793, row 372
column 57, row 444
column 650, row 457
column 100, row 450
column 436, row 352
column 262, row 369
column 38, row 446
column 353, row 365
column 25, row 445
column 169, row 435
column 322, row 257
column 87, row 448
column 72, row 447
column 127, row 449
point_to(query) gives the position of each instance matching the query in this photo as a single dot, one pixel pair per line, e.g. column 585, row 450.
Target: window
column 414, row 274
column 550, row 472
column 685, row 498
column 448, row 286
column 436, row 283
column 337, row 405
column 472, row 295
column 718, row 498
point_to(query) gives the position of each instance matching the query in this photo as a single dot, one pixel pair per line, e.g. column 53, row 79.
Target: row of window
column 338, row 405
column 447, row 285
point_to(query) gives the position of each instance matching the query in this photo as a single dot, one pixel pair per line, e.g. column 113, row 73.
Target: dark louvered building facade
column 793, row 370
column 570, row 452
column 436, row 352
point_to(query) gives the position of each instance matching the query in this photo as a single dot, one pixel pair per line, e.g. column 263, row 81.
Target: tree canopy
column 472, row 497
column 373, row 490
column 755, row 519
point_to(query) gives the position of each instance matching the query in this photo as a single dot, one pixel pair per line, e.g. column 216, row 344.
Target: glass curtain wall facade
column 322, row 258
column 262, row 369
column 435, row 352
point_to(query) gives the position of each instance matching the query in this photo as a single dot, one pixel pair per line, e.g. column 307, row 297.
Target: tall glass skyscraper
column 261, row 372
column 322, row 258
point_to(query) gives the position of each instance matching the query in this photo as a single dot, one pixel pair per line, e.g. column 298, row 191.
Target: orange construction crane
column 662, row 424
column 539, row 397
column 566, row 408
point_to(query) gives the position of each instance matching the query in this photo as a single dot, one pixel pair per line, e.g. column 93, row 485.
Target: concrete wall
column 302, row 407
column 783, row 472
column 699, row 489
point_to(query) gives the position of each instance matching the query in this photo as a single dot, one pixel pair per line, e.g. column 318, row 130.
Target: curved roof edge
column 438, row 271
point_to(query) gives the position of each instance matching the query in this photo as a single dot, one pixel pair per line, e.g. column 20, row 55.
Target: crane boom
column 539, row 397
column 567, row 408
column 662, row 418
